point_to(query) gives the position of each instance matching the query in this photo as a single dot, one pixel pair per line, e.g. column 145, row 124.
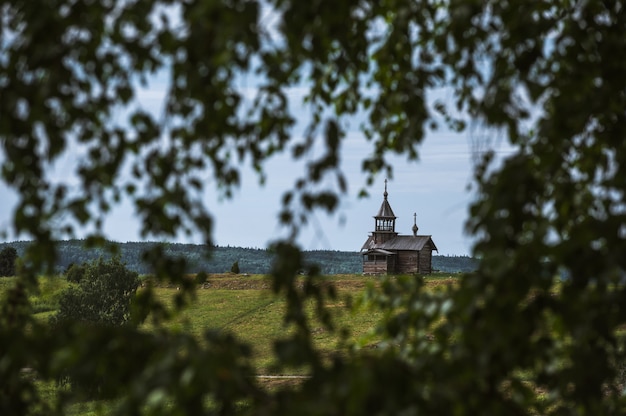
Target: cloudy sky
column 435, row 187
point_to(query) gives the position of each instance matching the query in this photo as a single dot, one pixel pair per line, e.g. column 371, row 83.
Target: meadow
column 245, row 306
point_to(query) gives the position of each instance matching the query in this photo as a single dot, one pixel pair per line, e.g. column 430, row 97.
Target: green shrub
column 201, row 277
column 102, row 297
column 75, row 272
column 235, row 268
column 103, row 294
column 49, row 294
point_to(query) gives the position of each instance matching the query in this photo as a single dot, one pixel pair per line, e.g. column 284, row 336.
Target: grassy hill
column 246, row 307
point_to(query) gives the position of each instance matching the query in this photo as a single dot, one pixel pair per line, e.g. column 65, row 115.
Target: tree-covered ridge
column 220, row 259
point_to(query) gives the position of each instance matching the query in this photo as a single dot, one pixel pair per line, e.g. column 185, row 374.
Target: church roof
column 400, row 243
column 385, row 210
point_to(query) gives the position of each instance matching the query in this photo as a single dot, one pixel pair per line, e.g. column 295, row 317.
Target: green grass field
column 246, row 307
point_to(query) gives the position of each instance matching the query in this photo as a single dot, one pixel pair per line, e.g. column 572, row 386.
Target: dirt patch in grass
column 345, row 282
column 236, row 284
column 280, row 382
column 257, row 282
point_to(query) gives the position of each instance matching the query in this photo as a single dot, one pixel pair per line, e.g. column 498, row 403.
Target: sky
column 436, row 187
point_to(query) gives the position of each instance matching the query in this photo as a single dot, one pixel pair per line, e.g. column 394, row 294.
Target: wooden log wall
column 426, row 259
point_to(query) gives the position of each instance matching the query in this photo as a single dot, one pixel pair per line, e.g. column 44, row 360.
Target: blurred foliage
column 547, row 76
column 8, row 257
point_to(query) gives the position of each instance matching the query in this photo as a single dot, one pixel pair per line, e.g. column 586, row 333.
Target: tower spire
column 385, row 194
column 415, row 224
column 385, row 221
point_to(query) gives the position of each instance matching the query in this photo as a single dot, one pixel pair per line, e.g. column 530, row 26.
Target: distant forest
column 220, row 259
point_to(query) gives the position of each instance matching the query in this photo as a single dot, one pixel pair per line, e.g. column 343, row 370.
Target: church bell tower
column 385, row 222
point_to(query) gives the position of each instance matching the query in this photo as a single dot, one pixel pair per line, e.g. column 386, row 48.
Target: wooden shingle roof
column 385, row 211
column 401, row 242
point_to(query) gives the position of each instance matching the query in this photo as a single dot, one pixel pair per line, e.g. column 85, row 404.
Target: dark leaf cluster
column 513, row 337
column 8, row 257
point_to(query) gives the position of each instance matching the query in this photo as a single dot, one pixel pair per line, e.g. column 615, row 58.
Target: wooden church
column 387, row 252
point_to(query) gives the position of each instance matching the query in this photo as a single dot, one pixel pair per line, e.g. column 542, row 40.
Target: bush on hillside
column 103, row 294
column 102, row 297
column 201, row 277
column 76, row 272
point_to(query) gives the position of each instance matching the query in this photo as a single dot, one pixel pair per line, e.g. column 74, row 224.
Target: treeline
column 220, row 259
